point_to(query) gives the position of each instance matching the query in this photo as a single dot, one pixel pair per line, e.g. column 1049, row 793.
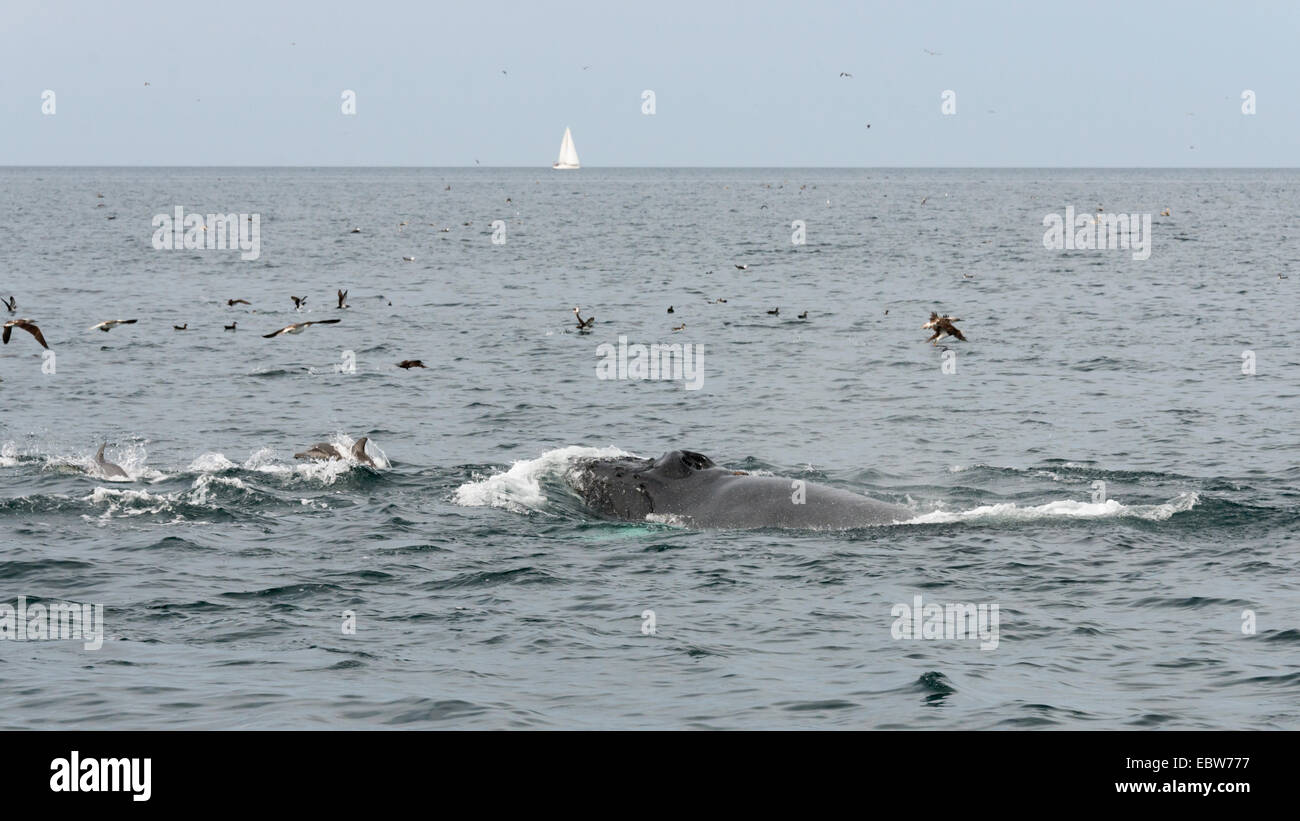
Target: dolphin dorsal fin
column 359, row 448
column 99, row 456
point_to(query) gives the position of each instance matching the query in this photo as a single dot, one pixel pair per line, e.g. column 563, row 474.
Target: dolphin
column 324, row 451
column 688, row 488
column 107, row 468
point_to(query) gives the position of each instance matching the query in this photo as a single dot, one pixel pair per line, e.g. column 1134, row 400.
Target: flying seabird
column 407, row 364
column 1165, row 213
column 932, row 53
column 238, row 302
column 583, row 324
column 719, row 299
column 109, row 324
column 299, row 327
column 680, row 327
column 343, row 295
column 181, row 327
column 11, row 303
column 355, row 231
column 943, row 327
column 742, row 267
column 408, row 259
column 298, row 302
column 28, row 326
column 846, row 74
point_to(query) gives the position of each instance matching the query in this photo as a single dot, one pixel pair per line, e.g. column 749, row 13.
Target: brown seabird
column 583, row 324
column 943, row 327
column 28, row 326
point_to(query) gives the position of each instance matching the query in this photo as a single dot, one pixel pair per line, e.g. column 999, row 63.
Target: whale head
column 628, row 488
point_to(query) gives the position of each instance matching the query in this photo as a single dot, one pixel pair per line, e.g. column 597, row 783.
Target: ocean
column 1106, row 471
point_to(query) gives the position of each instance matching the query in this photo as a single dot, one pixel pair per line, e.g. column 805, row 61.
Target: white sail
column 568, row 154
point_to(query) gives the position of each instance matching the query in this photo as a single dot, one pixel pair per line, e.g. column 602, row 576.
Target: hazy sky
column 736, row 84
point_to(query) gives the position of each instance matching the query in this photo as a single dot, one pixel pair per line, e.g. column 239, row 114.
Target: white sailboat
column 568, row 154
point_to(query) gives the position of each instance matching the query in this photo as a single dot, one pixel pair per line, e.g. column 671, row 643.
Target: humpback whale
column 110, row 470
column 688, row 488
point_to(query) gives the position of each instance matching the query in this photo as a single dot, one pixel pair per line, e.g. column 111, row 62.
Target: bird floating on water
column 407, row 364
column 238, row 302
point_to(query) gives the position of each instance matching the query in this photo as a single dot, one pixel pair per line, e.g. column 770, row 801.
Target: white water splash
column 1065, row 508
column 520, row 488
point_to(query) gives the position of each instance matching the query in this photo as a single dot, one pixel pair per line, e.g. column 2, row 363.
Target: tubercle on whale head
column 615, row 487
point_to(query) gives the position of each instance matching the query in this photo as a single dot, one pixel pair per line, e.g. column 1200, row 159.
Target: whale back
column 692, row 489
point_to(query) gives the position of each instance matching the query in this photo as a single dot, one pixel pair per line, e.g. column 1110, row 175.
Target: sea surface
column 484, row 594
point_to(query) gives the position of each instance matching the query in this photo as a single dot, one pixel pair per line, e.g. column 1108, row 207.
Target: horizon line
column 708, row 167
